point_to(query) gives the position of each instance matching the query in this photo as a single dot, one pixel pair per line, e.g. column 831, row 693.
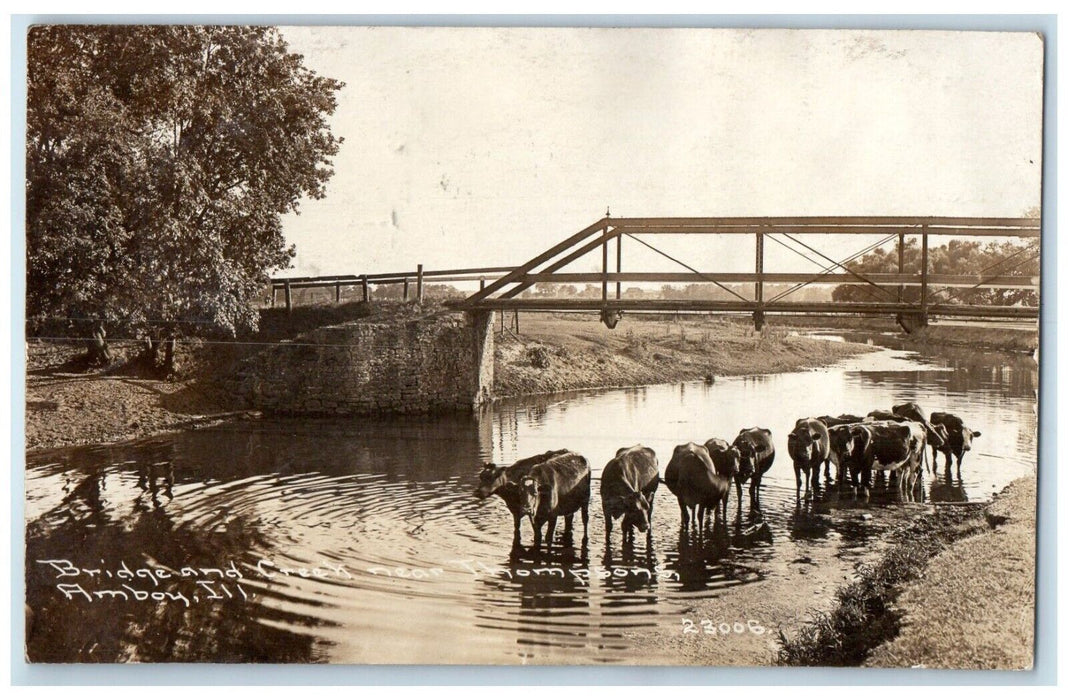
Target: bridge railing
column 418, row 278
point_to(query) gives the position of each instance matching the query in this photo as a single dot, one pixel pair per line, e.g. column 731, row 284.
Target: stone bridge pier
column 441, row 362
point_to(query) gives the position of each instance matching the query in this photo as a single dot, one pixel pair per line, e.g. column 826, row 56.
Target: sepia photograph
column 550, row 346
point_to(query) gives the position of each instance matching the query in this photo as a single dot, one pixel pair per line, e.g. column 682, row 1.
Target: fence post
column 289, row 298
column 419, row 283
column 405, row 289
column 273, row 295
column 366, row 289
column 337, row 293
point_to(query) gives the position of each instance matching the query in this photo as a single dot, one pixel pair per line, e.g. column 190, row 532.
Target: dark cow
column 848, row 446
column 757, row 453
column 958, row 439
column 628, row 484
column 897, row 447
column 558, row 487
column 504, row 481
column 935, row 437
column 692, row 477
column 844, row 419
column 842, row 473
column 809, row 446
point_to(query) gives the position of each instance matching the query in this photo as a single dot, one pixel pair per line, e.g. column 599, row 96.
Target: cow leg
column 585, row 521
column 549, row 529
column 516, row 539
column 816, row 476
column 568, row 534
column 607, row 525
column 537, row 535
column 684, row 514
column 827, row 470
column 754, row 495
column 797, row 478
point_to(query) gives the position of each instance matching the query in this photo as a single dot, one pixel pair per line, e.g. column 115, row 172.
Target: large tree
column 159, row 161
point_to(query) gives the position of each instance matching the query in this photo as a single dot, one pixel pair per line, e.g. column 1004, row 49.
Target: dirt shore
column 564, row 353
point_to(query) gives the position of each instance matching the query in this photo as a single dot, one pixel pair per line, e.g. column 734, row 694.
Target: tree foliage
column 159, row 162
column 958, row 257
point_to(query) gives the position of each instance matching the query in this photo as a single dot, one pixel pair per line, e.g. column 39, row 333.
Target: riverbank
column 565, row 353
column 956, row 591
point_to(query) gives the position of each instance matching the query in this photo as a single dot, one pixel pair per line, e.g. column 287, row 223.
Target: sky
column 484, row 146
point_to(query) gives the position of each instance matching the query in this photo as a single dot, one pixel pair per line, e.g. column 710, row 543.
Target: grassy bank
column 568, row 352
column 955, row 591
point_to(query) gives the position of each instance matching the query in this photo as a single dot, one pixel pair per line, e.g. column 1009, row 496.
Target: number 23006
column 722, row 628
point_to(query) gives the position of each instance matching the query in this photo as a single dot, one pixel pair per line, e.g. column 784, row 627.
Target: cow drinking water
column 558, row 487
column 757, row 453
column 504, row 481
column 628, row 485
column 692, row 477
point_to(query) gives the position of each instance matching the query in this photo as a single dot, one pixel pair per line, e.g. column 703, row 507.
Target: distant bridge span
column 501, row 287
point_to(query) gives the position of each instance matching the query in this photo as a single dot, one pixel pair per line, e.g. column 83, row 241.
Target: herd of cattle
column 556, row 484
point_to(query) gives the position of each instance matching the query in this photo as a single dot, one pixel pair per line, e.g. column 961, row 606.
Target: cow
column 897, row 447
column 628, row 485
column 504, row 481
column 555, row 488
column 842, row 474
column 692, row 477
column 844, row 419
column 757, row 453
column 958, row 439
column 809, row 446
column 936, row 437
column 848, row 447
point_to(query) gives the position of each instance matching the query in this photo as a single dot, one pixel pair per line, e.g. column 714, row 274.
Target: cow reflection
column 946, row 489
column 154, row 480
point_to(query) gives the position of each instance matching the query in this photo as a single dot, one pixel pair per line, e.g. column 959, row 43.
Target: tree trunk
column 97, row 347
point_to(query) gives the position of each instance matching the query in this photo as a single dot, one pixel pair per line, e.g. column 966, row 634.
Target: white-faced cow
column 558, row 487
column 757, row 455
column 958, row 439
column 628, row 485
column 809, row 447
column 692, row 477
column 504, row 481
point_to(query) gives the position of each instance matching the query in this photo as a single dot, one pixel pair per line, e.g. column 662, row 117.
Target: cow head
column 529, row 497
column 636, row 512
column 803, row 441
column 490, row 479
column 848, row 441
column 747, row 454
column 964, row 440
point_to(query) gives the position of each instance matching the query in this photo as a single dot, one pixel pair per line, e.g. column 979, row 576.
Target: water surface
column 359, row 541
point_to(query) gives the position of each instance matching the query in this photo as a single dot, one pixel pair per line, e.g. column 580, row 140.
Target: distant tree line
column 957, row 257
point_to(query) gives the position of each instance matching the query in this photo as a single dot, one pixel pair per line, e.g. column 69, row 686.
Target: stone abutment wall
column 436, row 363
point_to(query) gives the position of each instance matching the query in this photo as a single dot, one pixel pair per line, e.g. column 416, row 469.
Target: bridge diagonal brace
column 691, row 269
column 837, row 264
